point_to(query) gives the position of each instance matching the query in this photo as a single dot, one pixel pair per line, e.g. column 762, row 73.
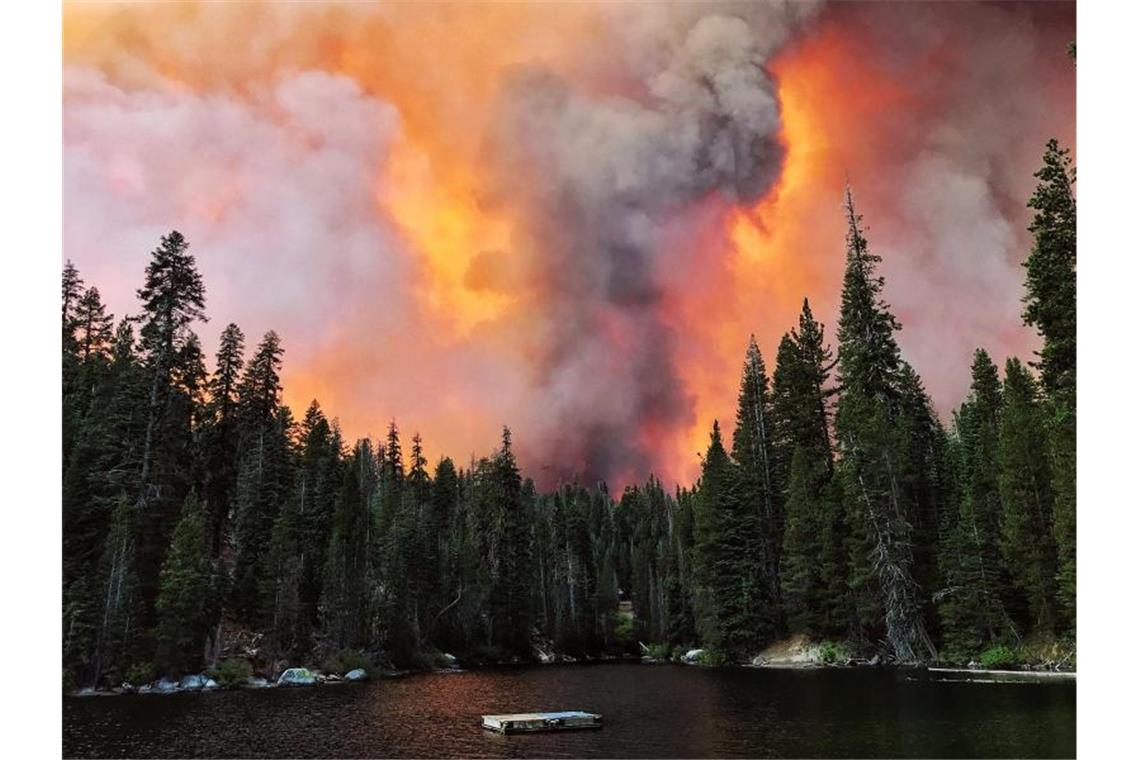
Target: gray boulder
column 692, row 656
column 165, row 686
column 356, row 675
column 297, row 677
column 209, row 685
column 192, row 683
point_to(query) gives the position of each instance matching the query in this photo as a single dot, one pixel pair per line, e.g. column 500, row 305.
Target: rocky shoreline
column 794, row 653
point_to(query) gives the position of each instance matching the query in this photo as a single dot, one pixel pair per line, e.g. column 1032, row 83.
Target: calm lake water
column 649, row 711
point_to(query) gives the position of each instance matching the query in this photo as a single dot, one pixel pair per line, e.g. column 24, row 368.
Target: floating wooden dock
column 570, row 720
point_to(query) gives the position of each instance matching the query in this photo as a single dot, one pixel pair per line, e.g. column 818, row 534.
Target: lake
column 649, row 711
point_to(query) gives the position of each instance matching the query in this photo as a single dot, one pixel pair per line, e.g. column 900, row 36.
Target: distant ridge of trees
column 196, row 505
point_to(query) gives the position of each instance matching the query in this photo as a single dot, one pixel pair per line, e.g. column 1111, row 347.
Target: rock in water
column 452, row 660
column 356, row 675
column 691, row 656
column 297, row 677
column 209, row 685
column 192, row 683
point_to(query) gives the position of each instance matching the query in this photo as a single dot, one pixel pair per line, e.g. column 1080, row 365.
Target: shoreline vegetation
column 212, row 538
column 797, row 652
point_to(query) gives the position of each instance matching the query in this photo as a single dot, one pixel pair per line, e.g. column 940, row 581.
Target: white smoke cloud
column 275, row 192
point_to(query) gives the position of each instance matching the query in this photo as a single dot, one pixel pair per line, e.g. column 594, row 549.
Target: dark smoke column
column 594, row 180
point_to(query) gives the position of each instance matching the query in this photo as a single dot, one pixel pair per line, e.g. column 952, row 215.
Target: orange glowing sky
column 330, row 167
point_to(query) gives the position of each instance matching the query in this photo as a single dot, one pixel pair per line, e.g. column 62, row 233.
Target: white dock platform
column 570, row 720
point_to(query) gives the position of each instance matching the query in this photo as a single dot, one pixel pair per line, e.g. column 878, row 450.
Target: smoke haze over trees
column 200, row 511
column 541, row 209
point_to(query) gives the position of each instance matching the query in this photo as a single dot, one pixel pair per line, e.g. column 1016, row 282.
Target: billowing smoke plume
column 565, row 218
column 594, row 180
column 272, row 190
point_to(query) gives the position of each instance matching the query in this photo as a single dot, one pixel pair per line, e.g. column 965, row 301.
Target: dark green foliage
column 509, row 557
column 264, row 477
column 727, row 598
column 999, row 657
column 1051, row 270
column 93, row 326
column 140, row 674
column 758, row 526
column 71, row 292
column 345, row 600
column 844, row 508
column 1051, row 307
column 233, row 673
column 219, row 433
column 813, row 567
column 714, row 658
column 973, row 602
column 347, row 660
column 804, row 585
column 831, row 652
column 875, row 418
column 1027, row 500
column 186, row 594
column 319, row 475
column 286, row 623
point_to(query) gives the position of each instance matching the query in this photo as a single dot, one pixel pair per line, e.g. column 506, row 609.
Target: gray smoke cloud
column 986, row 86
column 596, row 180
column 616, row 138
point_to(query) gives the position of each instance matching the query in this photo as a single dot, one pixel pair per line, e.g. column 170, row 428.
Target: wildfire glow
column 455, row 359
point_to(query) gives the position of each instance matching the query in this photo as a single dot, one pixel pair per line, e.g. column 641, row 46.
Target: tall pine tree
column 1051, row 307
column 867, row 425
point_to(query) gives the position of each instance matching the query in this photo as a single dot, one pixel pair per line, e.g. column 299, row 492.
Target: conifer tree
column 813, row 566
column 318, row 479
column 186, row 595
column 72, row 292
column 867, row 420
column 265, row 475
column 511, row 613
column 1051, row 270
column 392, row 479
column 220, row 436
column 1027, row 500
column 725, row 613
column 93, row 326
column 286, row 624
column 444, row 532
column 973, row 604
column 919, row 438
column 804, row 586
column 1051, row 307
column 344, row 611
column 760, row 525
column 173, row 297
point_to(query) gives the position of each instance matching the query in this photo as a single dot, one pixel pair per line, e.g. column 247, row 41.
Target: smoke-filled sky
column 565, row 218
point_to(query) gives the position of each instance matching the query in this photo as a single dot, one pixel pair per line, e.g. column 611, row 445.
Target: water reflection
column 650, row 711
